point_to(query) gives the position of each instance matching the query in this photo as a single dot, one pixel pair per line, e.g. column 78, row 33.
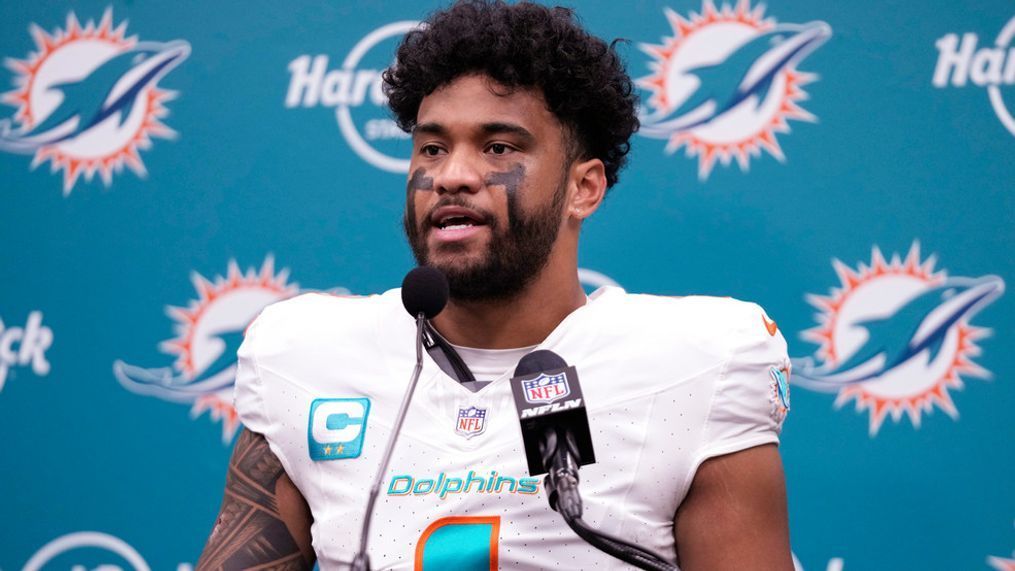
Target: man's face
column 486, row 188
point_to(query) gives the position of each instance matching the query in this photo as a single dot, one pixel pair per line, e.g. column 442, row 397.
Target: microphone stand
column 362, row 561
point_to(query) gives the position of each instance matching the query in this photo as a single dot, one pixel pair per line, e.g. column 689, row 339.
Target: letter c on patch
column 337, row 427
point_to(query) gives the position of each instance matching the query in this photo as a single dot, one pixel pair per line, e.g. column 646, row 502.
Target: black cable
column 625, row 548
column 561, row 483
column 459, row 370
column 625, row 551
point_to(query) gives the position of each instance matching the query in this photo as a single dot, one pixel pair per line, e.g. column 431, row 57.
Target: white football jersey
column 668, row 383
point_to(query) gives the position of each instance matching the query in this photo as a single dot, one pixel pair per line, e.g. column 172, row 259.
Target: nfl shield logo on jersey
column 471, row 421
column 546, row 388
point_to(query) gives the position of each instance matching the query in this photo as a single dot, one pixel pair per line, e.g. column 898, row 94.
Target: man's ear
column 588, row 179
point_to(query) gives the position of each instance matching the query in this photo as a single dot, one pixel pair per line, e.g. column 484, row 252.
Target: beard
column 514, row 256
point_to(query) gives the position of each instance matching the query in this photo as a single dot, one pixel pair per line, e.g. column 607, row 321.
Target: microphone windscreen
column 538, row 362
column 424, row 290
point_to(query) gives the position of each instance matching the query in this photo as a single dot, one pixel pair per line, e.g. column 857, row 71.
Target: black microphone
column 548, row 396
column 555, row 426
column 425, row 292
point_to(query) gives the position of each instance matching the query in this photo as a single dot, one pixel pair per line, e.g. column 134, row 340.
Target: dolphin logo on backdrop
column 209, row 332
column 726, row 82
column 1002, row 563
column 895, row 336
column 88, row 99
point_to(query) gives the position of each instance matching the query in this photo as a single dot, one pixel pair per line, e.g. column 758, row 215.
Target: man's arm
column 264, row 520
column 734, row 516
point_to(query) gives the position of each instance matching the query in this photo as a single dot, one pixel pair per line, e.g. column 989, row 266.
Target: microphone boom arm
column 362, row 560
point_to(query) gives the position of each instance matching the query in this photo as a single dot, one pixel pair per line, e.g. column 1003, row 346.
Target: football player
column 520, row 121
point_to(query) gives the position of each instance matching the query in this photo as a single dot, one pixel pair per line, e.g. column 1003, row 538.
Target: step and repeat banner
column 169, row 169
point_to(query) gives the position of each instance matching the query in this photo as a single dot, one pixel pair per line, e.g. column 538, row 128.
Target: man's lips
column 455, row 223
column 456, row 216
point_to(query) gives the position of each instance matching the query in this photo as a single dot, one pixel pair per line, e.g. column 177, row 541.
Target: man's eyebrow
column 495, row 128
column 509, row 128
column 430, row 129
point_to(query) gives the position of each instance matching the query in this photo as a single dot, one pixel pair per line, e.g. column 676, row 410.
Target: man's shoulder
column 319, row 312
column 688, row 305
column 313, row 302
column 309, row 331
column 703, row 317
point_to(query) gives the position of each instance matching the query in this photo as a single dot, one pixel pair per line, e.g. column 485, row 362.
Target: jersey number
column 464, row 543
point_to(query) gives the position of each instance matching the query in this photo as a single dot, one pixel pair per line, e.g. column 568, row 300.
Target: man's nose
column 460, row 172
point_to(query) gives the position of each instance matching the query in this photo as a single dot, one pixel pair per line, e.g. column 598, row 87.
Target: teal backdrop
column 169, row 168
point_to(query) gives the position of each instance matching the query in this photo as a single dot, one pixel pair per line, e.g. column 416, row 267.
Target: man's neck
column 527, row 319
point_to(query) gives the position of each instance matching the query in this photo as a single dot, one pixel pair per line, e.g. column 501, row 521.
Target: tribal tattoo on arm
column 264, row 521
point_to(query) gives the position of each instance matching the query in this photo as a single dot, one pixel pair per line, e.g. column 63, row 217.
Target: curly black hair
column 523, row 45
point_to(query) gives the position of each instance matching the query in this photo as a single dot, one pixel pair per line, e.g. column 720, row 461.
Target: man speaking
column 520, row 122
